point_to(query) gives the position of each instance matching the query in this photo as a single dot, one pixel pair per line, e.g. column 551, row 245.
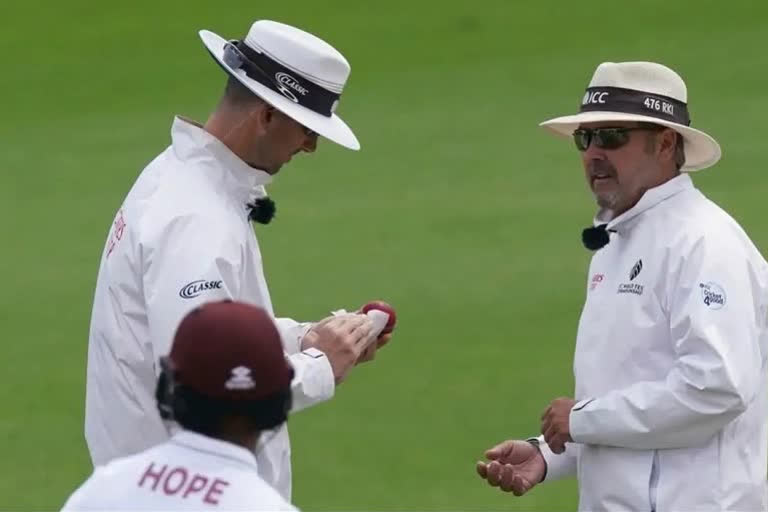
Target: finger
column 507, row 477
column 482, row 469
column 556, row 442
column 557, row 447
column 552, row 436
column 549, row 433
column 494, row 473
column 383, row 339
column 359, row 340
column 362, row 330
column 369, row 354
column 352, row 324
column 328, row 325
column 520, row 485
column 345, row 322
column 546, row 423
column 499, row 451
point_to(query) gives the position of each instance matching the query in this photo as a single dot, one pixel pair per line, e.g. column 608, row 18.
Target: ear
column 262, row 117
column 667, row 142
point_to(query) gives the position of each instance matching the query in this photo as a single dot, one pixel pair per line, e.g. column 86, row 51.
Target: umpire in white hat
column 670, row 410
column 183, row 236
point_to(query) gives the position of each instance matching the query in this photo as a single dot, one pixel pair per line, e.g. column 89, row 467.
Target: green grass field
column 458, row 210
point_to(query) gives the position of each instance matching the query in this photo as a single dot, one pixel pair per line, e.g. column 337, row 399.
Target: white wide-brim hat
column 294, row 71
column 645, row 92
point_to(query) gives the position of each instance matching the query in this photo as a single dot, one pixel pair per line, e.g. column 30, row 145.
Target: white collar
column 191, row 141
column 651, row 198
column 215, row 447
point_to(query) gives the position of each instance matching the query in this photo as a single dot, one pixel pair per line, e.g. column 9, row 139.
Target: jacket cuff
column 558, row 465
column 291, row 333
column 578, row 425
column 313, row 381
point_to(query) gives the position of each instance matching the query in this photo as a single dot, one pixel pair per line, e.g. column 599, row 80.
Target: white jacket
column 188, row 472
column 181, row 238
column 670, row 363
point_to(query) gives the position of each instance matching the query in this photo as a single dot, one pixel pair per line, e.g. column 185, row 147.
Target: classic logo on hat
column 240, row 379
column 284, row 79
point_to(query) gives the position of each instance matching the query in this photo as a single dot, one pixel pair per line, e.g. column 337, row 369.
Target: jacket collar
column 191, row 142
column 215, row 447
column 650, row 199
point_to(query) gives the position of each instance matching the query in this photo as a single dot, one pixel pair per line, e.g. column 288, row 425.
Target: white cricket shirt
column 181, row 238
column 188, row 472
column 670, row 363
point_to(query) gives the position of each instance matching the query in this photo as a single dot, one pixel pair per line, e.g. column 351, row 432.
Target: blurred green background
column 458, row 210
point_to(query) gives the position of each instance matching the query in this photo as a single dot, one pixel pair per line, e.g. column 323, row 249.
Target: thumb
column 499, row 451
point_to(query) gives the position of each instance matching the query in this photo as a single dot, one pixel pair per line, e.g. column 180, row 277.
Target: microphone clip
column 596, row 237
column 262, row 210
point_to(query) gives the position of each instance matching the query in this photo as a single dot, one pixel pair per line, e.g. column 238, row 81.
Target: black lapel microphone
column 596, row 237
column 262, row 210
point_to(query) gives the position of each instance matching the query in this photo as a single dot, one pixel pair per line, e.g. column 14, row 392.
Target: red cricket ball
column 383, row 306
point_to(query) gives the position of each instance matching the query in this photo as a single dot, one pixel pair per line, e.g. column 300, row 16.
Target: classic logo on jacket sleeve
column 713, row 295
column 195, row 288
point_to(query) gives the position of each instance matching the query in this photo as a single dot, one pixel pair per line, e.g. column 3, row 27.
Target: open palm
column 515, row 466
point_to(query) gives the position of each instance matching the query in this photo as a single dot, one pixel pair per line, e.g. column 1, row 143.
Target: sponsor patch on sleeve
column 713, row 295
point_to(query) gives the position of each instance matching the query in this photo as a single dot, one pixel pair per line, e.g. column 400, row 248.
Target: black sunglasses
column 606, row 138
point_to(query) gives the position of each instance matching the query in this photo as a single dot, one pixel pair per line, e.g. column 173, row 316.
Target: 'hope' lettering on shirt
column 178, row 481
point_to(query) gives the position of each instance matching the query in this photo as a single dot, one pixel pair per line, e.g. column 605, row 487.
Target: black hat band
column 630, row 101
column 280, row 79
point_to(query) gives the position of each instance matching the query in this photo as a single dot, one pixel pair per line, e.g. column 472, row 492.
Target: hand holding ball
column 386, row 308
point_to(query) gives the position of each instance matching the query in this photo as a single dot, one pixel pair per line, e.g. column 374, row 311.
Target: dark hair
column 679, row 142
column 238, row 94
column 204, row 415
column 680, row 152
